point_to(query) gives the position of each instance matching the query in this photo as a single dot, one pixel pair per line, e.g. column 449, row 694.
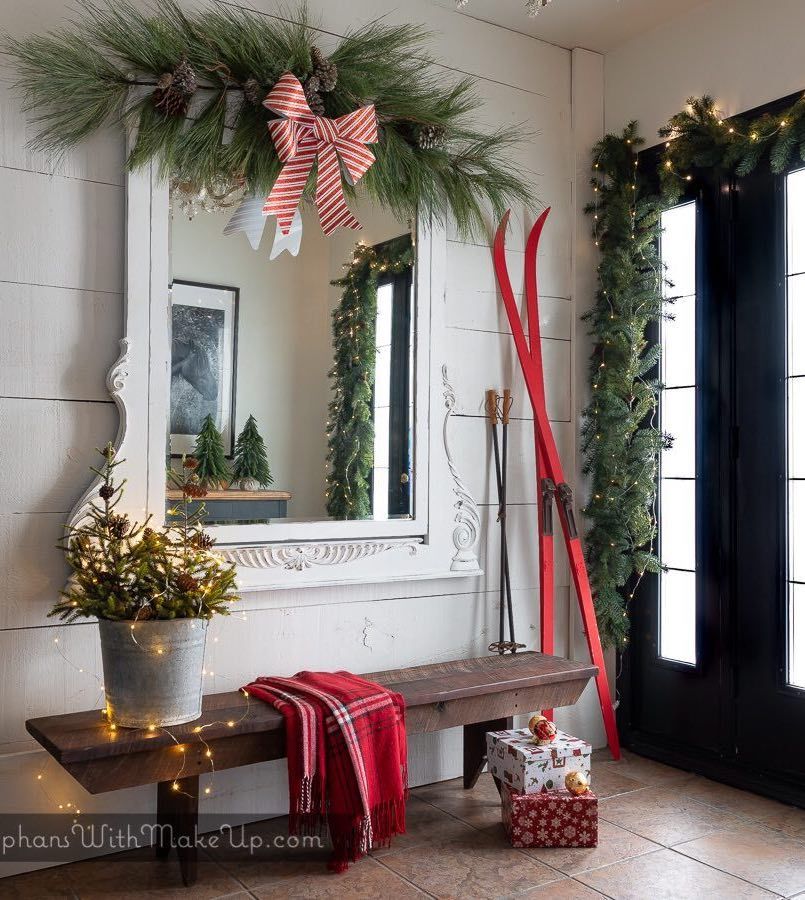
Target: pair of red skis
column 551, row 484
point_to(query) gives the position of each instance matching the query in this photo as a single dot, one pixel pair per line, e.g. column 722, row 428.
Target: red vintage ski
column 551, row 484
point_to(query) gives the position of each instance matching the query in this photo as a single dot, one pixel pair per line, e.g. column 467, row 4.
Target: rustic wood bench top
column 429, row 690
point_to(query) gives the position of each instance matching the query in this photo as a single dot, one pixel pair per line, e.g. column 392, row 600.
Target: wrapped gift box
column 555, row 819
column 527, row 767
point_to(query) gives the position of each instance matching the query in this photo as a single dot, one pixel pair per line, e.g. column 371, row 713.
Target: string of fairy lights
column 71, row 806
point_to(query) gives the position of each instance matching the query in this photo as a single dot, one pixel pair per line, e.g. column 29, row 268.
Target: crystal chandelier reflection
column 532, row 7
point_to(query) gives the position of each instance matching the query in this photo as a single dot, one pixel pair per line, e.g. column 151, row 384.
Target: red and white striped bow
column 301, row 138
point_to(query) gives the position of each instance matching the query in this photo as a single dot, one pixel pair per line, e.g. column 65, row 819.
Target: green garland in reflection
column 350, row 427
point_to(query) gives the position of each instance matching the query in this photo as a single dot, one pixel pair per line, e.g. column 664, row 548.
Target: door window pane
column 678, row 416
column 677, row 500
column 678, row 616
column 678, row 519
column 678, row 350
column 795, row 290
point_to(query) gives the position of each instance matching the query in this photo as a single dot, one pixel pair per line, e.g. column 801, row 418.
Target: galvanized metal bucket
column 152, row 672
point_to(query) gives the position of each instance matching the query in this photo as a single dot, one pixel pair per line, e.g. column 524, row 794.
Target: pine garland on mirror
column 193, row 84
column 350, row 426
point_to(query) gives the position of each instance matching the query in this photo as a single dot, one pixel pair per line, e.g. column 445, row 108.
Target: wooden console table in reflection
column 236, row 506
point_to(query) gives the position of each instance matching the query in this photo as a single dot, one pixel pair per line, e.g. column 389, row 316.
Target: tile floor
column 663, row 834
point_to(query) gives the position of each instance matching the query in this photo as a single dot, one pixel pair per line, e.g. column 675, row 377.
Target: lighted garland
column 193, row 84
column 350, row 426
column 699, row 137
column 620, row 439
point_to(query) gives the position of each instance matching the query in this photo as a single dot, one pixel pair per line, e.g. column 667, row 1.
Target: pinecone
column 202, row 541
column 195, row 490
column 106, row 492
column 174, row 90
column 145, row 612
column 431, row 137
column 253, row 92
column 186, row 583
column 325, row 69
column 184, row 79
column 118, row 526
column 314, row 98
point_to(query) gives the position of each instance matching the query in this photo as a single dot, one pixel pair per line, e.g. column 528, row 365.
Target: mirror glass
column 270, row 354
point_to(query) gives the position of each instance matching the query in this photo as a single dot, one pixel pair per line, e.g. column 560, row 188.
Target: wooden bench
column 481, row 694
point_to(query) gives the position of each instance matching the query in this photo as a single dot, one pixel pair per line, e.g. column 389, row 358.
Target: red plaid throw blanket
column 347, row 758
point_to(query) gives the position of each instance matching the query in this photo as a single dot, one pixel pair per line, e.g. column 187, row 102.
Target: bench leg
column 178, row 810
column 475, row 748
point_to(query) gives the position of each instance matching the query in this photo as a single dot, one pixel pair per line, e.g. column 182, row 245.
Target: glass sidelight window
column 795, row 377
column 677, row 493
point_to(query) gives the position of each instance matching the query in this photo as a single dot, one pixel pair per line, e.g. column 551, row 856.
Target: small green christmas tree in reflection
column 213, row 470
column 251, row 459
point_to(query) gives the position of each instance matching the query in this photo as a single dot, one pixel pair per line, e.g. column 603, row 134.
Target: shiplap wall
column 61, row 272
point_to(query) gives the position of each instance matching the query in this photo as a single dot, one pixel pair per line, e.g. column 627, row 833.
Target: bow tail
column 284, row 198
column 330, row 200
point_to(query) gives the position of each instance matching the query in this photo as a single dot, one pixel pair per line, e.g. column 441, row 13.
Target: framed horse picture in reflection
column 204, row 340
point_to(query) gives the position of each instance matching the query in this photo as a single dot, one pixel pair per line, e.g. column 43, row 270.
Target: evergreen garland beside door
column 620, row 438
column 350, row 427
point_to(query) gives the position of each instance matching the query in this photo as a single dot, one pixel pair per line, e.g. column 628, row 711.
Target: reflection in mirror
column 295, row 395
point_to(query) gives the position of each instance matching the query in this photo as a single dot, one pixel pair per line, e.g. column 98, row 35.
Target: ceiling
column 599, row 25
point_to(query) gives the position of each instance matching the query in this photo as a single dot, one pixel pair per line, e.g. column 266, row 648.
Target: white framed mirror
column 216, row 331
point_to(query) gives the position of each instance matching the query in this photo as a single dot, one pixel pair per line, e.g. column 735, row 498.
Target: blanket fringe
column 368, row 832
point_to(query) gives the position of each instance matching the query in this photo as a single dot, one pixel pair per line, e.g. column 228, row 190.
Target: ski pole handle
column 507, row 404
column 492, row 406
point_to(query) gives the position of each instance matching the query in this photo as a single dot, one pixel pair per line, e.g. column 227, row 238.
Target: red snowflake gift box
column 520, row 762
column 554, row 819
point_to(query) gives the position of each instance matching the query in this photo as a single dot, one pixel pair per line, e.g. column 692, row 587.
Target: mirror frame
column 439, row 541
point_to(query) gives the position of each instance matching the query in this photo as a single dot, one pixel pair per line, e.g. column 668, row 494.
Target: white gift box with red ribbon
column 530, row 768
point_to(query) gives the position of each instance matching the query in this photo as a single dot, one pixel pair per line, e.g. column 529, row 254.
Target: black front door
column 714, row 679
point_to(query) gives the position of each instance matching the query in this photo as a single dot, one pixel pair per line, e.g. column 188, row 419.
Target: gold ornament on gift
column 542, row 728
column 577, row 783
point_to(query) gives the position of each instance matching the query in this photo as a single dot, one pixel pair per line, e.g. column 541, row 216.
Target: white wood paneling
column 98, row 159
column 47, row 337
column 50, row 463
column 473, row 439
column 479, row 360
column 32, row 568
column 61, row 231
column 485, row 312
column 470, row 269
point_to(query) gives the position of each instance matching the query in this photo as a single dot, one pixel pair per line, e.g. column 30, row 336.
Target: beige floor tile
column 54, row 882
column 568, row 889
column 607, row 781
column 136, row 875
column 425, row 823
column 468, row 869
column 787, row 819
column 638, row 768
column 667, row 875
column 365, row 880
column 665, row 815
column 479, row 807
column 614, row 845
column 766, row 858
column 265, row 866
column 742, row 803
